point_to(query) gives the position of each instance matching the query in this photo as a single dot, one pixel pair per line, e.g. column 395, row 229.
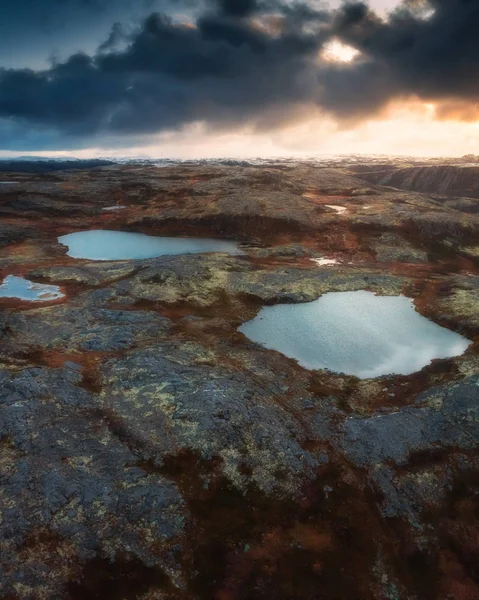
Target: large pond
column 356, row 333
column 121, row 245
column 23, row 289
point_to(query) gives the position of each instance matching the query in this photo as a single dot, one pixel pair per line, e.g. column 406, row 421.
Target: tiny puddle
column 356, row 333
column 120, row 245
column 116, row 207
column 8, row 182
column 338, row 209
column 23, row 289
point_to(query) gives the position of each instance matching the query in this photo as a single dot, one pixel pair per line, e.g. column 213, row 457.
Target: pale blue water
column 121, row 245
column 356, row 333
column 23, row 289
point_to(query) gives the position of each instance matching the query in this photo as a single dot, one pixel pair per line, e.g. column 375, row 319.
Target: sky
column 239, row 78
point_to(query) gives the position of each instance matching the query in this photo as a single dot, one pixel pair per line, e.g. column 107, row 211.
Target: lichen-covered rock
column 77, row 328
column 446, row 416
column 305, row 285
column 393, row 248
column 11, row 234
column 91, row 274
column 170, row 399
column 71, row 490
column 463, row 301
column 286, row 251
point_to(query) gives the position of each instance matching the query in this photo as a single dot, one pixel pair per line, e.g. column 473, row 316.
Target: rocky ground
column 150, row 451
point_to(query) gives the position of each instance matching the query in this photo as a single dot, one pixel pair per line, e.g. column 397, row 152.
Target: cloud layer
column 247, row 61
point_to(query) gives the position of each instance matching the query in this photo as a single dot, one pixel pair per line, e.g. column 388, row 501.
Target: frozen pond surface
column 356, row 333
column 23, row 289
column 120, row 245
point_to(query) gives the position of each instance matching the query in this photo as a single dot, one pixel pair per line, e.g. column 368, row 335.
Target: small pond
column 121, row 245
column 356, row 333
column 23, row 289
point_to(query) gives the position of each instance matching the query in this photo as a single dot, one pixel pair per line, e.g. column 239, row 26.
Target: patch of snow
column 322, row 262
column 338, row 209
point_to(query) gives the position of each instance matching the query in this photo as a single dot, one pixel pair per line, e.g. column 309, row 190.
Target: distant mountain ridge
column 25, row 164
column 379, row 165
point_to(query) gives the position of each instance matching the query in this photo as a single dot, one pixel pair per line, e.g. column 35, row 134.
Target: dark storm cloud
column 225, row 69
column 434, row 58
column 247, row 61
column 237, row 8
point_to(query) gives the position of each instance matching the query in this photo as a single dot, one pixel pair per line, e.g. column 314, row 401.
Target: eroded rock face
column 452, row 180
column 149, row 450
